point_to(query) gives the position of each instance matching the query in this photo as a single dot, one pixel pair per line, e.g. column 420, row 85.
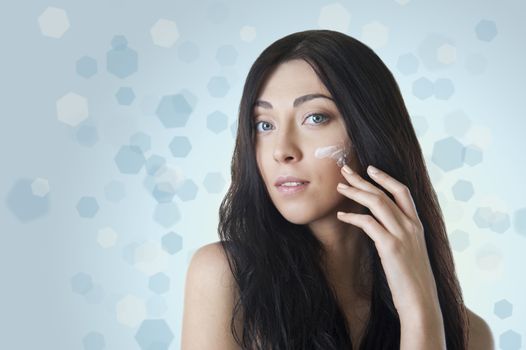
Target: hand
column 398, row 236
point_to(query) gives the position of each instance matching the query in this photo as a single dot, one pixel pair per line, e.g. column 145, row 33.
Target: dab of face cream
column 333, row 151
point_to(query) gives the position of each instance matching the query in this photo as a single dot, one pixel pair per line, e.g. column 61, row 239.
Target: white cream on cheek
column 335, row 152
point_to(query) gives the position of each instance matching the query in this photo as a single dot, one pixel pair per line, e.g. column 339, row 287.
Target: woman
column 291, row 273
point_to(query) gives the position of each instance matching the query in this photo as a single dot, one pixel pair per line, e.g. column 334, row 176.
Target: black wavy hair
column 284, row 298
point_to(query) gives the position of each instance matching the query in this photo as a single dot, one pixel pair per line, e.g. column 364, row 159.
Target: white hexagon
column 375, row 34
column 130, row 311
column 164, row 33
column 247, row 33
column 452, row 210
column 53, row 22
column 480, row 136
column 72, row 109
column 447, row 54
column 334, row 17
column 107, row 237
column 150, row 258
column 489, row 257
column 40, row 187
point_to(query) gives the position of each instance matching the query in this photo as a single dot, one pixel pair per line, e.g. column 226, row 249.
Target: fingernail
column 347, row 169
column 372, row 170
column 342, row 186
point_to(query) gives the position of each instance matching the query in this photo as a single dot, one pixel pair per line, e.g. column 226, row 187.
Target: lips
column 282, row 179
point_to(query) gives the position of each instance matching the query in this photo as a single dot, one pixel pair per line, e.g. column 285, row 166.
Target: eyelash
column 327, row 118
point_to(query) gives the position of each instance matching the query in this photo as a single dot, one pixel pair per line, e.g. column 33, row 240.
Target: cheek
column 338, row 153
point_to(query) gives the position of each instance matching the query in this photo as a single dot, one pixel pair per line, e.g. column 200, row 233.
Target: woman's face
column 304, row 139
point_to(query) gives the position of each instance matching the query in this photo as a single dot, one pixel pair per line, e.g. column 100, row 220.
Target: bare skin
column 286, row 146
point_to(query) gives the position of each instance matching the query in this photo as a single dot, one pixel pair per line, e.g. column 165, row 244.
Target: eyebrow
column 297, row 101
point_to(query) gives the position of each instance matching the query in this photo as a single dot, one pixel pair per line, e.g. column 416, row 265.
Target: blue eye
column 323, row 120
column 259, row 123
column 318, row 114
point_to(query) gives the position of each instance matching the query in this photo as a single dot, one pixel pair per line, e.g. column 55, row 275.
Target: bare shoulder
column 208, row 301
column 480, row 335
column 211, row 260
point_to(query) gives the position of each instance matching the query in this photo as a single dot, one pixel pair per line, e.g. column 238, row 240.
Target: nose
column 286, row 148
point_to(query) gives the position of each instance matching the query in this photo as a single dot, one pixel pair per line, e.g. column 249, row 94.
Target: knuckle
column 368, row 219
column 410, row 226
column 378, row 200
column 403, row 189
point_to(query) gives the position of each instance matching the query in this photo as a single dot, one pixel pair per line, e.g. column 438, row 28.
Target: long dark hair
column 284, row 296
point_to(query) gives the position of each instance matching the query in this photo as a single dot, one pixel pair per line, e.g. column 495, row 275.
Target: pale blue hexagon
column 87, row 206
column 121, row 61
column 459, row 240
column 180, row 146
column 159, row 283
column 486, row 30
column 187, row 191
column 81, row 283
column 163, row 192
column 173, row 111
column 166, row 214
column 472, row 155
column 423, row 88
column 448, row 154
column 500, row 222
column 87, row 135
column 129, row 159
column 483, row 217
column 217, row 121
column 503, row 309
column 93, row 341
column 125, row 95
column 141, row 140
column 457, row 123
column 226, row 55
column 86, row 66
column 497, row 221
column 114, row 191
column 154, row 163
column 407, row 64
column 172, row 242
column 24, row 204
column 218, row 86
column 154, row 334
column 214, row 182
column 510, row 340
column 463, row 190
column 444, row 88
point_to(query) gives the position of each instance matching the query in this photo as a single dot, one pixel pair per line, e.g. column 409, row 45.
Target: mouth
column 292, row 187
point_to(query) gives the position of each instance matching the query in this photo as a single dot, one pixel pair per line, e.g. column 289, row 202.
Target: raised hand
column 398, row 235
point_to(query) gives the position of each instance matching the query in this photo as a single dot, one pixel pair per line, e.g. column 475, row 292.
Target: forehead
column 290, row 80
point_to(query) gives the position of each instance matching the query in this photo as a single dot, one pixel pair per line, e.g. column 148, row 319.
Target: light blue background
column 61, row 289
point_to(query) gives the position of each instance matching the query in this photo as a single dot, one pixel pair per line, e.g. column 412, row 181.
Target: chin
column 299, row 215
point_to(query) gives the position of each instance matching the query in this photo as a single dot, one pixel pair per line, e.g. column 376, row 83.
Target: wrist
column 423, row 314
